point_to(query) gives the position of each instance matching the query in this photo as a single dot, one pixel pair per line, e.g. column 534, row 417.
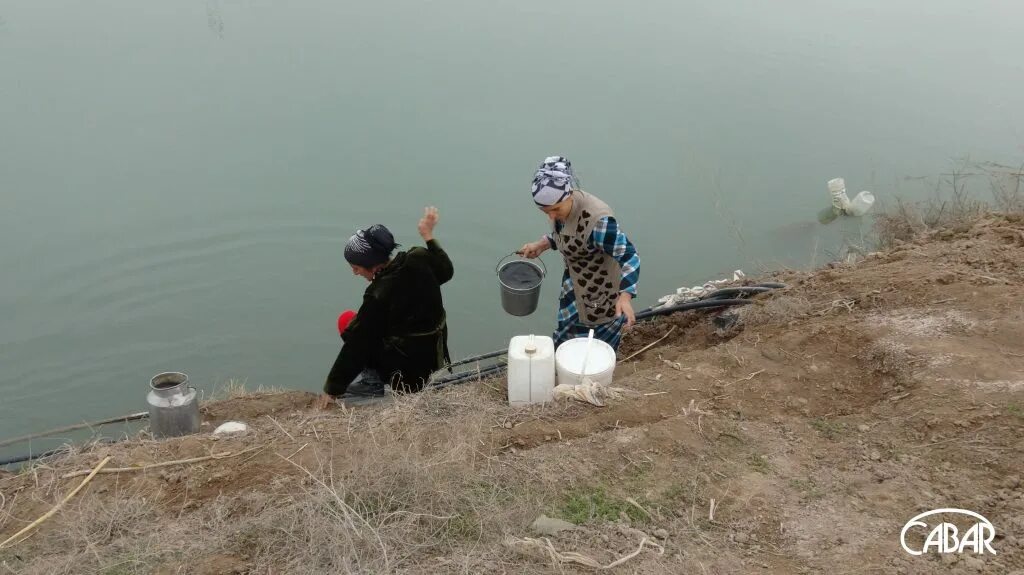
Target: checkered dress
column 608, row 238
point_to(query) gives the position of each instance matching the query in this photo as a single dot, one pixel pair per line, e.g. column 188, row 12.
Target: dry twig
column 748, row 378
column 557, row 557
column 280, row 427
column 48, row 514
column 649, row 346
column 634, row 503
column 223, row 455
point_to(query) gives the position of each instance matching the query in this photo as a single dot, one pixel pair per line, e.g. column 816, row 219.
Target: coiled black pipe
column 720, row 293
column 705, row 303
column 714, row 299
column 736, row 291
column 644, row 315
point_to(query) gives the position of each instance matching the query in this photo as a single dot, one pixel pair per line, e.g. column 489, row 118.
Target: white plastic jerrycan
column 861, row 203
column 842, row 204
column 531, row 369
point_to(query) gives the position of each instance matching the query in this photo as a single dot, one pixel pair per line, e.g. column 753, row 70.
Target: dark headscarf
column 370, row 247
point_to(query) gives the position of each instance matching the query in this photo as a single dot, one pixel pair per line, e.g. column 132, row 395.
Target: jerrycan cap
column 531, row 347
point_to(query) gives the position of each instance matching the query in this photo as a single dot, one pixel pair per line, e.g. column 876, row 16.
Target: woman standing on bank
column 399, row 335
column 601, row 265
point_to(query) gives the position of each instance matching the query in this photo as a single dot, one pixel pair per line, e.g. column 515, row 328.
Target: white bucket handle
column 586, row 355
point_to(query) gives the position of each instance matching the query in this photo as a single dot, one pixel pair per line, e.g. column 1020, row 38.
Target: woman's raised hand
column 427, row 223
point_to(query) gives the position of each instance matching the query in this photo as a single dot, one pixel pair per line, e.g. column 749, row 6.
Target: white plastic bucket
column 569, row 358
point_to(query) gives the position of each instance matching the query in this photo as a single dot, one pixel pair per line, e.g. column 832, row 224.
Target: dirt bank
column 799, row 442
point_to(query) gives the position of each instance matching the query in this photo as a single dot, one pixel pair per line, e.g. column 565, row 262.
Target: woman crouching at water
column 399, row 335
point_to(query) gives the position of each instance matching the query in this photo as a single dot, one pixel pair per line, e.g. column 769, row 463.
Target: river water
column 177, row 179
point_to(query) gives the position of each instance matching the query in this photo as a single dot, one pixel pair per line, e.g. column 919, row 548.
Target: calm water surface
column 177, row 179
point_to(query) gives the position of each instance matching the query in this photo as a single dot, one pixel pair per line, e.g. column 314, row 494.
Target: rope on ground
column 222, row 455
column 545, row 547
column 17, row 536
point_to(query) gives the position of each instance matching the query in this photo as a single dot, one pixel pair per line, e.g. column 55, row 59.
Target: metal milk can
column 173, row 405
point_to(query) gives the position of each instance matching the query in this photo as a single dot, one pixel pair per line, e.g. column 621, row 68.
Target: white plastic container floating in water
column 837, row 189
column 531, row 369
column 861, row 203
column 584, row 356
column 842, row 204
column 520, row 284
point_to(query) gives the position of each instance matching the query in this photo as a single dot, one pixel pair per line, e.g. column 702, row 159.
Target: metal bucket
column 520, row 282
column 173, row 405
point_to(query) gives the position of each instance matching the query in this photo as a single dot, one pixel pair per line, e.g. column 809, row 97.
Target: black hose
column 464, row 377
column 121, row 419
column 495, row 369
column 480, row 357
column 30, row 456
column 58, row 451
column 736, row 291
column 751, row 289
column 692, row 305
column 63, row 449
column 712, row 300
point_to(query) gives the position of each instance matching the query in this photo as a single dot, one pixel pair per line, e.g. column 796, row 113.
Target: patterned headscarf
column 370, row 247
column 554, row 181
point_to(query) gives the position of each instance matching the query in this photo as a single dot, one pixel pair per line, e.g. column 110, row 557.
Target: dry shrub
column 909, row 221
column 1007, row 189
column 954, row 206
column 421, row 488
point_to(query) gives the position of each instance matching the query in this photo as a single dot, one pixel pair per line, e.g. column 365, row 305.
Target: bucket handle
column 586, row 356
column 498, row 267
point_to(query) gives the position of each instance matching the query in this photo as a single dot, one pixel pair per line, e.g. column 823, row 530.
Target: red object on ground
column 344, row 319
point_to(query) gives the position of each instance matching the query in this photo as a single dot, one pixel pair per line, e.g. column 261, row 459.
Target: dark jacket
column 400, row 329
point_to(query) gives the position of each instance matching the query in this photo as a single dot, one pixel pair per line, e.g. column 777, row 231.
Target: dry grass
column 235, row 388
column 391, row 490
column 412, row 495
column 115, row 535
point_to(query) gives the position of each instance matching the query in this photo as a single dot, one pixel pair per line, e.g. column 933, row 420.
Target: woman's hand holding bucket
column 534, row 249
